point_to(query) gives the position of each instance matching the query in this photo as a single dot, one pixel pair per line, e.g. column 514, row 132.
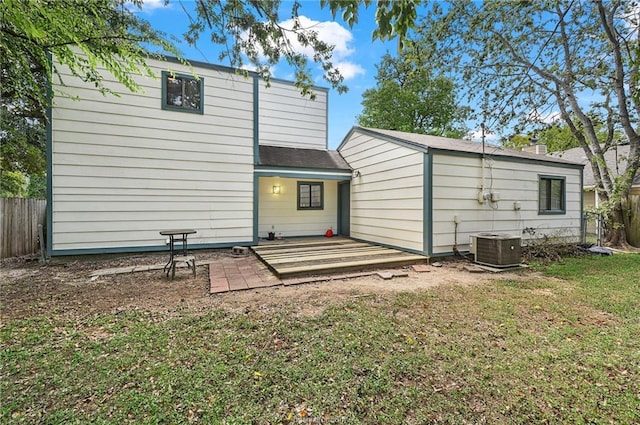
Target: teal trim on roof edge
column 308, row 169
column 231, row 70
column 506, row 158
column 150, row 248
column 49, row 135
column 384, row 137
column 256, row 204
column 275, row 173
column 427, row 204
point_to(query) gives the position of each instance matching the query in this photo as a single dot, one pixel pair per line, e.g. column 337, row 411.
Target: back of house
column 430, row 194
column 185, row 153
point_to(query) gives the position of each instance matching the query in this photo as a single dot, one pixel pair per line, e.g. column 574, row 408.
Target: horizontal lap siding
column 279, row 212
column 288, row 119
column 124, row 169
column 457, row 181
column 387, row 199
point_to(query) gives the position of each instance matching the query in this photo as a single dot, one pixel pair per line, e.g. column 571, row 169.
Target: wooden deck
column 328, row 255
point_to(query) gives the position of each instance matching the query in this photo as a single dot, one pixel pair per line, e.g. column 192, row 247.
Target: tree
column 407, row 98
column 527, row 59
column 86, row 36
column 22, row 152
column 556, row 137
column 253, row 33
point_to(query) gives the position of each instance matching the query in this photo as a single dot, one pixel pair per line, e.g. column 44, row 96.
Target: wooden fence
column 19, row 219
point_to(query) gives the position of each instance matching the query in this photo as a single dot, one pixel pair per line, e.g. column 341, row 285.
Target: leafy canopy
column 408, row 98
column 83, row 35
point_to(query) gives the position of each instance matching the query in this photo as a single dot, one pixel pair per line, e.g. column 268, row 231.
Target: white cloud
column 331, row 33
column 489, row 137
column 328, row 31
column 151, row 5
column 546, row 118
column 631, row 17
column 148, row 6
column 349, row 70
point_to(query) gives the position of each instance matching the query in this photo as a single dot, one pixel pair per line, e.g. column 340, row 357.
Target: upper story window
column 182, row 92
column 310, row 195
column 551, row 195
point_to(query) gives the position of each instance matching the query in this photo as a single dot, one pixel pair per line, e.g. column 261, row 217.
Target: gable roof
column 616, row 155
column 427, row 143
column 275, row 156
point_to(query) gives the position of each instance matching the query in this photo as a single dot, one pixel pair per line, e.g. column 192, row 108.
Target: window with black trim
column 310, row 195
column 182, row 92
column 551, row 195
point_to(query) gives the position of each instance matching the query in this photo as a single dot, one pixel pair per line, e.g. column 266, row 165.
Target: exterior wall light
column 276, row 190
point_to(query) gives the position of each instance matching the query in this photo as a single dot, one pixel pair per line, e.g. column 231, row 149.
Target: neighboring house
column 616, row 159
column 192, row 153
column 429, row 194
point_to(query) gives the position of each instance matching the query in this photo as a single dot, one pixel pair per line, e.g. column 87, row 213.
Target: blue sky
column 356, row 53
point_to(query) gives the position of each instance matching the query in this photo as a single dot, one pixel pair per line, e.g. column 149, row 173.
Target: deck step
column 329, row 255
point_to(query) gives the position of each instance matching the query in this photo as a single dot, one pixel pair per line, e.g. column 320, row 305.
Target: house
column 220, row 153
column 616, row 159
column 236, row 161
column 428, row 194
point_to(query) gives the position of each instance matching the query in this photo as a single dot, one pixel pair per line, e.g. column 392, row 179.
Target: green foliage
column 81, row 35
column 12, row 184
column 254, row 32
column 517, row 141
column 22, row 145
column 408, row 98
column 37, row 187
column 558, row 137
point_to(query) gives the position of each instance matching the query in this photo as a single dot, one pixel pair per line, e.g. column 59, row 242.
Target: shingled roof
column 275, row 156
column 447, row 144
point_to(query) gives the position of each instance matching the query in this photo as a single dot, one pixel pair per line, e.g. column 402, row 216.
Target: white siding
column 456, row 184
column 387, row 198
column 124, row 169
column 279, row 212
column 288, row 119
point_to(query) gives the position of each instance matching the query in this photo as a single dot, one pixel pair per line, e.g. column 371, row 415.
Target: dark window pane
column 310, row 195
column 305, row 196
column 174, row 91
column 556, row 195
column 191, row 94
column 182, row 92
column 543, row 194
column 316, row 196
column 551, row 194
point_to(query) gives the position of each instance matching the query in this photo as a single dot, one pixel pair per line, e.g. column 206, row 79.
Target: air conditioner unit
column 495, row 249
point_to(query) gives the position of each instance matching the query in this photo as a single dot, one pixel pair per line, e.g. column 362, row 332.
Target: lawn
column 561, row 348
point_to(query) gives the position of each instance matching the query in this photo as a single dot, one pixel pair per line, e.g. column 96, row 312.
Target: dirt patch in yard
column 65, row 286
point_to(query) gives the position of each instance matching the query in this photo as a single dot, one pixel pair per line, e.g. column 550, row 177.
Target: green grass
column 558, row 350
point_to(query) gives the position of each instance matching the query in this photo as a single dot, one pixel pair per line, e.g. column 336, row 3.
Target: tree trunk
column 616, row 233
